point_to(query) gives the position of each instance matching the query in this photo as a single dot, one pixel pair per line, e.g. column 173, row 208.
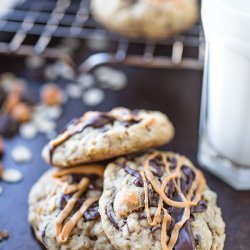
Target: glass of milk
column 224, row 146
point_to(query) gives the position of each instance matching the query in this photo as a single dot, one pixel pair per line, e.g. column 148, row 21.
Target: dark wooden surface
column 177, row 93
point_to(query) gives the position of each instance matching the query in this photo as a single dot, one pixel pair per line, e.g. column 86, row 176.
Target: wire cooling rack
column 36, row 27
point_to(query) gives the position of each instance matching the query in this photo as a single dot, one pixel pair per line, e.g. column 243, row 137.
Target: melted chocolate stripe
column 138, row 181
column 96, row 122
column 109, row 209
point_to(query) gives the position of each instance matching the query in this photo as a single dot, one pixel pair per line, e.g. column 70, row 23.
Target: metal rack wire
column 36, row 27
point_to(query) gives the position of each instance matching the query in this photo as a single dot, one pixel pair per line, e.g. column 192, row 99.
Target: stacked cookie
column 152, row 19
column 138, row 198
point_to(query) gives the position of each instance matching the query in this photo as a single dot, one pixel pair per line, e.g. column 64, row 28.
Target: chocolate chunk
column 100, row 121
column 92, row 213
column 185, row 240
column 187, row 182
column 153, row 229
column 129, row 123
column 79, row 203
column 109, row 210
column 44, row 233
column 63, row 201
column 200, row 207
column 138, row 179
column 8, row 126
column 172, row 161
column 153, row 198
column 157, row 167
column 171, row 189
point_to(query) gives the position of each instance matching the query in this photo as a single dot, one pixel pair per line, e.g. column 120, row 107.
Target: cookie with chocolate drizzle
column 159, row 200
column 63, row 209
column 99, row 136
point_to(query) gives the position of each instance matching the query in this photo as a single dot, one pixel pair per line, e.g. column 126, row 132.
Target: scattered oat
column 4, row 235
column 64, row 70
column 53, row 112
column 34, row 62
column 74, row 90
column 86, row 80
column 21, row 154
column 111, row 78
column 11, row 175
column 93, row 97
column 12, row 84
column 28, row 130
column 47, row 126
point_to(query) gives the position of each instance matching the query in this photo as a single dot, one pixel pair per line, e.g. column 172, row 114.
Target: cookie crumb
column 74, row 90
column 11, row 175
column 21, row 154
column 111, row 78
column 93, row 97
column 28, row 131
column 86, row 80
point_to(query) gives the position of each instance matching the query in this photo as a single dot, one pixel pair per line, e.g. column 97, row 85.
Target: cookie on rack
column 99, row 136
column 63, row 209
column 153, row 19
column 159, row 200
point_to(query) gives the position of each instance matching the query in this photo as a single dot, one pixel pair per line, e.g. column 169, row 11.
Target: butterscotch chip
column 11, row 175
column 21, row 112
column 125, row 202
column 51, row 95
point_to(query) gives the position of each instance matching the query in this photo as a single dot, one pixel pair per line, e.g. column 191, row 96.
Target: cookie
column 98, row 136
column 159, row 200
column 63, row 209
column 154, row 19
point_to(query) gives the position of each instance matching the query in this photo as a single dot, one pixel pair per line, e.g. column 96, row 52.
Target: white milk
column 227, row 30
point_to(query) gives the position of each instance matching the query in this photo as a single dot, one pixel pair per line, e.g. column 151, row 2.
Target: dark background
column 174, row 92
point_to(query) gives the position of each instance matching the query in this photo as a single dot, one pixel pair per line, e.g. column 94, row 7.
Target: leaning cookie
column 159, row 200
column 98, row 136
column 155, row 19
column 63, row 209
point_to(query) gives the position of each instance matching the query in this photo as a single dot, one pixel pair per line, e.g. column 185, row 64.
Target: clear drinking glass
column 224, row 144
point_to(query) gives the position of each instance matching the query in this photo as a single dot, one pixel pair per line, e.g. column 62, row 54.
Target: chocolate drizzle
column 92, row 213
